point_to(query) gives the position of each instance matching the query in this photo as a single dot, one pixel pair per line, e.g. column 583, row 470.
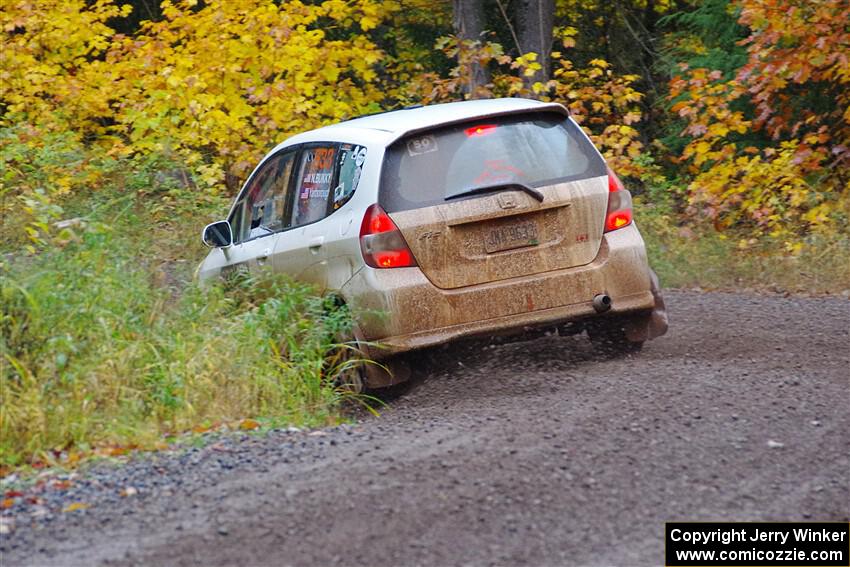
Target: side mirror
column 217, row 234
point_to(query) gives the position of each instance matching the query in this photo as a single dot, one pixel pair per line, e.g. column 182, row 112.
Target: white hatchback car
column 454, row 220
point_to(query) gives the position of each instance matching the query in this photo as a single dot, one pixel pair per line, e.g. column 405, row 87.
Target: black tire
column 611, row 341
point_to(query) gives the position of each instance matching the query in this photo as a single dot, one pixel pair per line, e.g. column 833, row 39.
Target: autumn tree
column 769, row 145
column 535, row 19
column 220, row 80
column 469, row 26
column 529, row 25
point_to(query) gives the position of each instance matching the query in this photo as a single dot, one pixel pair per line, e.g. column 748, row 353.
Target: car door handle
column 264, row 255
column 316, row 244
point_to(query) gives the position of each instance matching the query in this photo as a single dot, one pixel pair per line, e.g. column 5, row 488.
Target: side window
column 261, row 209
column 315, row 183
column 351, row 160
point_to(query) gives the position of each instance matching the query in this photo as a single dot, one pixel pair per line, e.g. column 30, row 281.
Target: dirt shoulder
column 533, row 453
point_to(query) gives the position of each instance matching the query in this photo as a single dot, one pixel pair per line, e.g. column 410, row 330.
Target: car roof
column 389, row 126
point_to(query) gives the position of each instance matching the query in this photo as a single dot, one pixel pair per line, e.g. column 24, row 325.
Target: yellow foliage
column 234, row 76
column 239, row 76
column 218, row 84
column 48, row 48
column 767, row 191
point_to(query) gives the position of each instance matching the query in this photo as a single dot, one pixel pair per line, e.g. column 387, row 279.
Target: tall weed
column 94, row 351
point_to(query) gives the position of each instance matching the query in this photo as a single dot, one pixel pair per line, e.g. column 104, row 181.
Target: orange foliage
column 797, row 79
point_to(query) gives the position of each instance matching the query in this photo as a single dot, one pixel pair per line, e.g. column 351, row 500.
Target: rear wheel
column 344, row 366
column 611, row 340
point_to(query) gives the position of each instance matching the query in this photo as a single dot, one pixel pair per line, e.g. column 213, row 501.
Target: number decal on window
column 421, row 145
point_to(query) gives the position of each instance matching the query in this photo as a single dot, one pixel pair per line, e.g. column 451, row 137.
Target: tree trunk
column 535, row 19
column 469, row 24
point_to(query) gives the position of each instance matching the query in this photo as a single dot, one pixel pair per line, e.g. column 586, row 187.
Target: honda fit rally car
column 475, row 218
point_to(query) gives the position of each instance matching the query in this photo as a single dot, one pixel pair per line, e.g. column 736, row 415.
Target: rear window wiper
column 512, row 186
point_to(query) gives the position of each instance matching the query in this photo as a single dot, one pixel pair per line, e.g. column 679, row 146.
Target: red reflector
column 393, row 258
column 619, row 204
column 618, row 219
column 480, row 130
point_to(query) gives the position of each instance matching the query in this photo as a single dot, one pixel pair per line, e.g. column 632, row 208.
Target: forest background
column 126, row 125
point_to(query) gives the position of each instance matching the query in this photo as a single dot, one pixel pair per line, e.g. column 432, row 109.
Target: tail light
column 619, row 212
column 381, row 242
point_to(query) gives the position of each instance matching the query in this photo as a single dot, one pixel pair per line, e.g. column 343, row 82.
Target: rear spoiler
column 547, row 107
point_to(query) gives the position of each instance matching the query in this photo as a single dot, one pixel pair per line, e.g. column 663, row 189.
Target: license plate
column 508, row 237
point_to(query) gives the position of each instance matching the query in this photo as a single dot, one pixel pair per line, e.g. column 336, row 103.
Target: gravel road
column 532, row 453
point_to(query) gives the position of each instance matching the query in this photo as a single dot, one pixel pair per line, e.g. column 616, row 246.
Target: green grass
column 105, row 340
column 97, row 353
column 691, row 256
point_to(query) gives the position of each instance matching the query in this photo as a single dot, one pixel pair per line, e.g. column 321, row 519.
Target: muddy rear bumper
column 402, row 310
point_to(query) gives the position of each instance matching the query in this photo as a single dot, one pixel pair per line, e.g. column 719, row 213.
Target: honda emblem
column 507, row 201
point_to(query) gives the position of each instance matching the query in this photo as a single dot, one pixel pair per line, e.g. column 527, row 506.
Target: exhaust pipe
column 601, row 302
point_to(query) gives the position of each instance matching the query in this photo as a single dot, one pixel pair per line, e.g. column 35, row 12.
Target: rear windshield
column 535, row 150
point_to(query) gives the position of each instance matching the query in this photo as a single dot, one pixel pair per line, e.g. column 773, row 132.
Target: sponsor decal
column 360, row 156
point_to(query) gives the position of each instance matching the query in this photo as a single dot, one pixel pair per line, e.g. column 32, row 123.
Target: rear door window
column 315, row 184
column 351, row 159
column 535, row 150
